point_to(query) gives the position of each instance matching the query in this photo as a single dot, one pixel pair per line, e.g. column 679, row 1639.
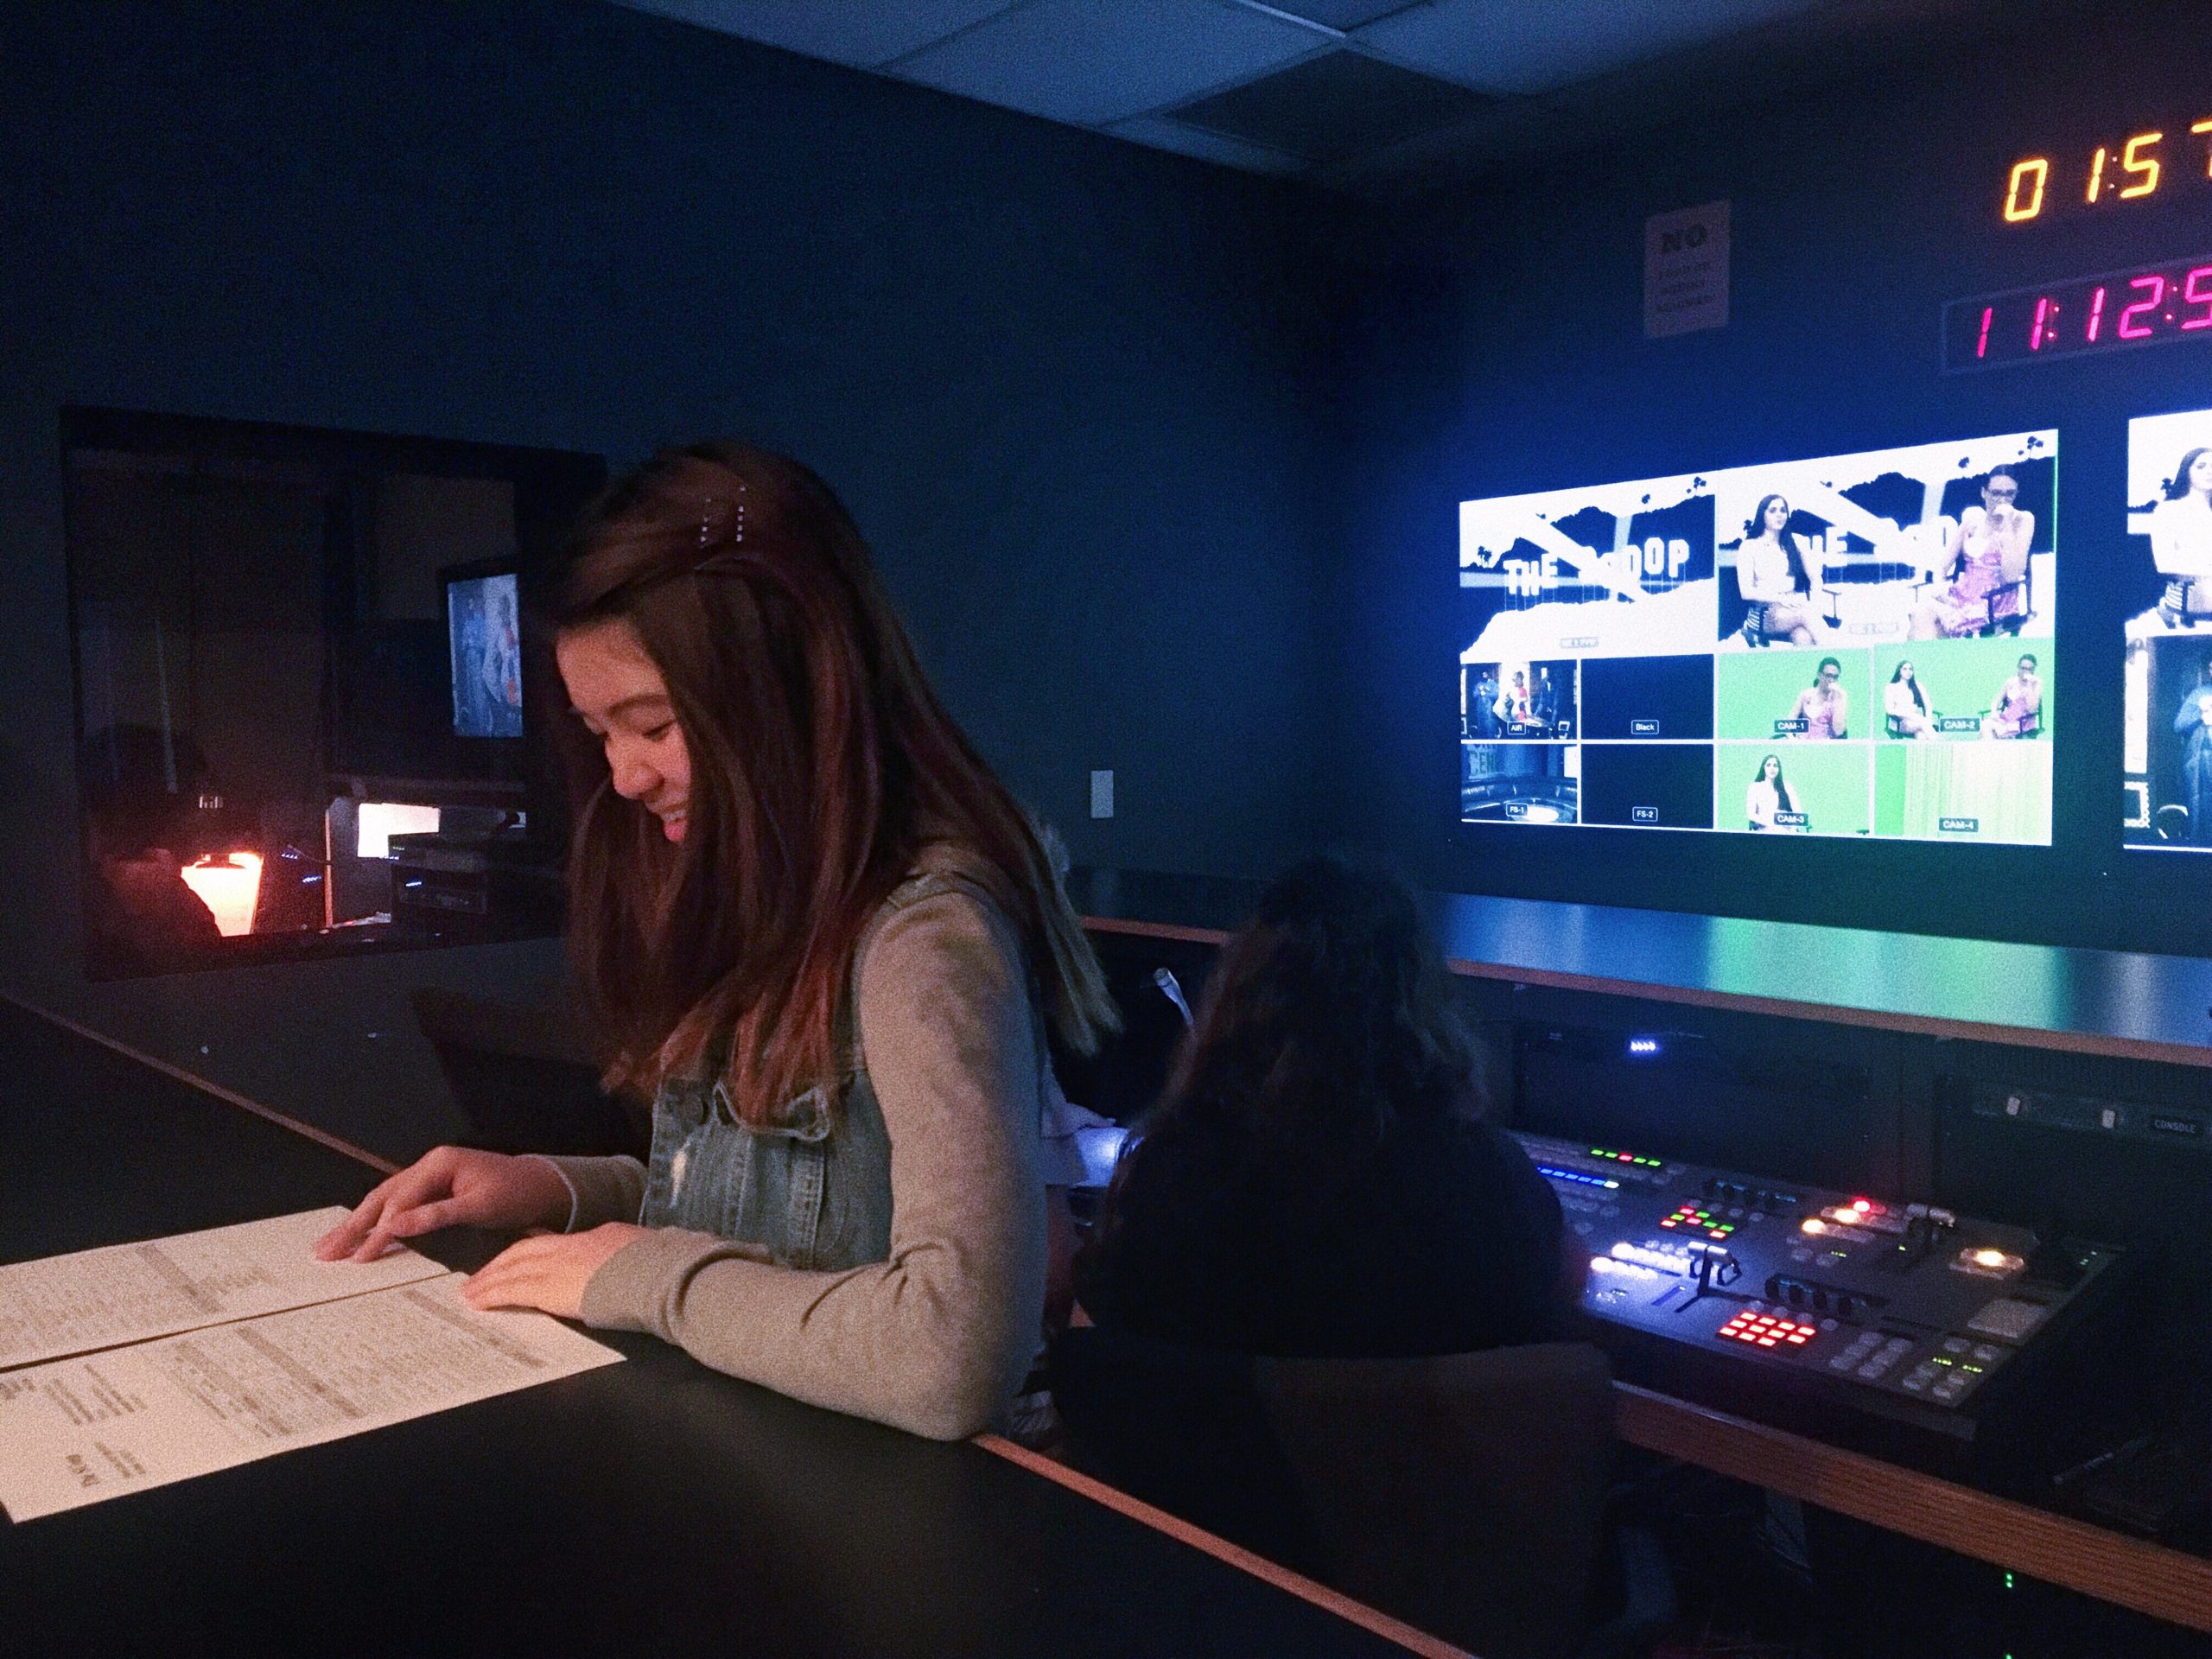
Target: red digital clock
column 2144, row 306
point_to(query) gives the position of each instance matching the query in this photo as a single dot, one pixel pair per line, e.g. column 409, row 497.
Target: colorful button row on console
column 1689, row 1215
column 1764, row 1331
column 1627, row 1158
column 1551, row 1172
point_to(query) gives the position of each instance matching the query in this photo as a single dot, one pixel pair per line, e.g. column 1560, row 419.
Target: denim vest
column 812, row 1187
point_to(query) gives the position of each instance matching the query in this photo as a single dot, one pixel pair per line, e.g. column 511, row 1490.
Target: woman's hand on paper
column 449, row 1186
column 548, row 1273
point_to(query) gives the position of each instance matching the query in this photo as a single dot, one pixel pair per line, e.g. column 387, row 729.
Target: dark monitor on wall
column 483, row 616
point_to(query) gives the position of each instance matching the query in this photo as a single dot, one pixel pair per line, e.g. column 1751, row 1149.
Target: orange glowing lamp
column 230, row 886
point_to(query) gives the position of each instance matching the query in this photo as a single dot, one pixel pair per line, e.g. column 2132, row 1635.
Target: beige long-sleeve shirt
column 934, row 1338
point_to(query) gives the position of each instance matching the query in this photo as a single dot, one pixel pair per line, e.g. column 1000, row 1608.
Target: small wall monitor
column 484, row 641
column 1853, row 646
column 2166, row 746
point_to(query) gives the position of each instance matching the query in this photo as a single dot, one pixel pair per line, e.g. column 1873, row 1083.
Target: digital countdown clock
column 2145, row 305
column 2135, row 168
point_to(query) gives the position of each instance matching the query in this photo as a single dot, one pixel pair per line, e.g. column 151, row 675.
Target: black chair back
column 1182, row 1429
column 1463, row 1494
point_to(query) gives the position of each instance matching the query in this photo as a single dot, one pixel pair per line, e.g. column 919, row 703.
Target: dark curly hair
column 1327, row 1017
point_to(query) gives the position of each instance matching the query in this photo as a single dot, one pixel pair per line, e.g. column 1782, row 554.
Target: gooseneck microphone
column 1173, row 992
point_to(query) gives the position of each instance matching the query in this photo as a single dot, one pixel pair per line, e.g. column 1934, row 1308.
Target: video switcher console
column 1904, row 1310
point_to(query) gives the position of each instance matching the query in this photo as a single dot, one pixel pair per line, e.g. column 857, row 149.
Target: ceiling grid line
column 890, row 66
column 1266, row 10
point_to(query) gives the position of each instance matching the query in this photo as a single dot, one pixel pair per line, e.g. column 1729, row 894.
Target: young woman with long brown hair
column 823, row 939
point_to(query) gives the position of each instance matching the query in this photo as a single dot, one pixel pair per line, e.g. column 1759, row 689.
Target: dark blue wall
column 1067, row 386
column 1499, row 348
column 1160, row 461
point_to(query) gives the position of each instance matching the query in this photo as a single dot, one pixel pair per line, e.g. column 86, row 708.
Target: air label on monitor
column 1793, row 820
column 1959, row 723
column 1579, row 642
column 1959, row 826
column 1643, row 815
column 1792, row 728
column 1643, row 728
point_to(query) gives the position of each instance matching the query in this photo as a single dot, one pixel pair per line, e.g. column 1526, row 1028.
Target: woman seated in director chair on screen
column 1985, row 566
column 826, row 941
column 1771, row 577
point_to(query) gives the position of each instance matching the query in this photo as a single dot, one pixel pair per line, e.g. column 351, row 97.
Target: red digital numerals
column 2076, row 316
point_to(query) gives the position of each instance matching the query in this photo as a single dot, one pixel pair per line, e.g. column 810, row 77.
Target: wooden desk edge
column 228, row 1096
column 2109, row 1565
column 1835, row 1013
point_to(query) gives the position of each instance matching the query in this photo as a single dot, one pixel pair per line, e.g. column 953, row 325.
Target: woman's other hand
column 449, row 1186
column 548, row 1273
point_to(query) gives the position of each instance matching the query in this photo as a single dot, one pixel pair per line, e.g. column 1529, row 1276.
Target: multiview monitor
column 2165, row 572
column 1855, row 646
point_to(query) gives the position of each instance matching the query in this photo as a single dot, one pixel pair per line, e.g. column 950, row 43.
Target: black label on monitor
column 1517, row 809
column 1643, row 728
column 1959, row 826
column 1959, row 723
column 1793, row 820
column 1792, row 728
column 1643, row 815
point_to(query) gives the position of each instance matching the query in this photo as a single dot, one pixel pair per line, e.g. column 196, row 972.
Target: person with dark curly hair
column 1318, row 1179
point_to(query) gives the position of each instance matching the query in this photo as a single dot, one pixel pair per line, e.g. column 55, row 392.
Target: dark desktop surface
column 2123, row 1004
column 654, row 1507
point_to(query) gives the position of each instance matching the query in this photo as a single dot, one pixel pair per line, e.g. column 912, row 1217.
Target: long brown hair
column 821, row 764
column 1326, row 1019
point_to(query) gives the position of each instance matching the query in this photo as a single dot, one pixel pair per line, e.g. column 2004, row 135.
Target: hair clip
column 712, row 510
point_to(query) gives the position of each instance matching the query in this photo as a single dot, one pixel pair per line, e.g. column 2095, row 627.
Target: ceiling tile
column 862, row 32
column 1512, row 46
column 1327, row 108
column 1096, row 62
